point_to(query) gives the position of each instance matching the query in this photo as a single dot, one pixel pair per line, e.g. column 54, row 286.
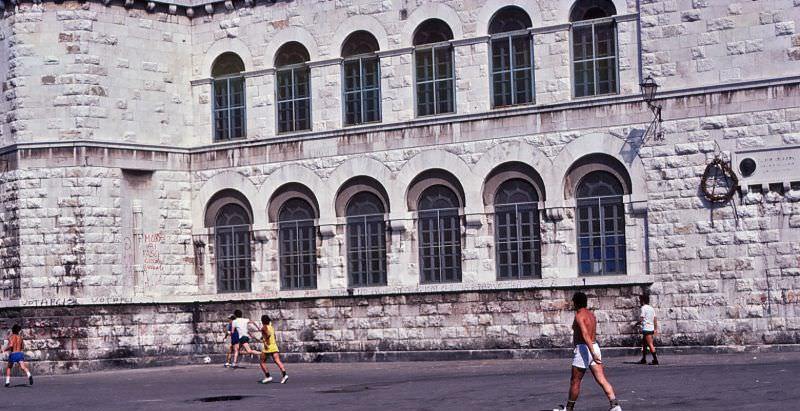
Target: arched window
column 601, row 224
column 439, row 233
column 298, row 245
column 362, row 80
column 366, row 240
column 293, row 88
column 229, row 103
column 512, row 57
column 435, row 73
column 232, row 248
column 516, row 221
column 594, row 47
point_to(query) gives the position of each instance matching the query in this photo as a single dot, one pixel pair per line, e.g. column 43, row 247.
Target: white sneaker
column 284, row 378
column 227, row 364
column 266, row 380
column 616, row 408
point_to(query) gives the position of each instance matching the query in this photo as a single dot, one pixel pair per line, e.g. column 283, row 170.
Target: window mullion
column 511, row 71
column 594, row 59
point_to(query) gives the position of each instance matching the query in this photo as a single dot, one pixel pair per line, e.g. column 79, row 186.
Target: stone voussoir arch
column 232, row 45
column 287, row 35
column 565, row 9
column 227, row 180
column 516, row 151
column 601, row 144
column 489, row 9
column 365, row 166
column 427, row 11
column 438, row 159
column 361, row 22
column 295, row 173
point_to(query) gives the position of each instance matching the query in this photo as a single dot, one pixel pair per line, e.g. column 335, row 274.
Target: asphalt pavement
column 682, row 382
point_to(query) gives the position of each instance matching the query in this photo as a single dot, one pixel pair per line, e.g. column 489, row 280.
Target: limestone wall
column 75, row 336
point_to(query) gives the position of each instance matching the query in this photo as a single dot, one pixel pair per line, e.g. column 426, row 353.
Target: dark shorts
column 244, row 340
column 235, row 338
column 15, row 357
column 648, row 332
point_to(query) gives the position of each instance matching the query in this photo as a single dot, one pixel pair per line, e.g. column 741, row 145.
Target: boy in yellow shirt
column 270, row 349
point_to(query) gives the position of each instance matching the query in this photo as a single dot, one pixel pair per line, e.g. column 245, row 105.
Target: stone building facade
column 384, row 176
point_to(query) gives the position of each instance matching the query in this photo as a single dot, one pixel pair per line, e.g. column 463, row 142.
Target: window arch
column 232, row 248
column 594, row 48
column 439, row 234
column 512, row 57
column 364, row 203
column 435, row 71
column 601, row 224
column 228, row 106
column 517, row 230
column 362, row 85
column 366, row 240
column 293, row 88
column 297, row 239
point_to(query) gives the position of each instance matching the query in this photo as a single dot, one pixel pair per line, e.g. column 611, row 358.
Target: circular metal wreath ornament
column 719, row 182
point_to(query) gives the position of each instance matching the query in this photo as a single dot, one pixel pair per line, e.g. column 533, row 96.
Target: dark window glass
column 293, row 88
column 228, row 97
column 297, row 245
column 601, row 225
column 366, row 240
column 594, row 51
column 435, row 75
column 232, row 249
column 512, row 58
column 439, row 235
column 518, row 244
column 362, row 91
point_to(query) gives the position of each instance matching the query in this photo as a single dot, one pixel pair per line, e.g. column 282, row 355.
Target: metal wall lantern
column 649, row 88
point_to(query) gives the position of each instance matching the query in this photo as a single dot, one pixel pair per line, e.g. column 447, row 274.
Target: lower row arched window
column 232, row 239
column 366, row 240
column 601, row 225
column 439, row 235
column 517, row 239
column 297, row 240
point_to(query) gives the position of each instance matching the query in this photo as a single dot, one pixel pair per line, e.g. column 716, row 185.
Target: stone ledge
column 81, row 366
column 514, row 285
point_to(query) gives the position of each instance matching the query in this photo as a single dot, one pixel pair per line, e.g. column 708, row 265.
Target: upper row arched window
column 361, row 71
column 229, row 100
column 435, row 71
column 512, row 57
column 594, row 48
column 293, row 88
column 594, row 70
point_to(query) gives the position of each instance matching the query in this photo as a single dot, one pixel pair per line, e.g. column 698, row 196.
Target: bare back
column 585, row 318
column 15, row 342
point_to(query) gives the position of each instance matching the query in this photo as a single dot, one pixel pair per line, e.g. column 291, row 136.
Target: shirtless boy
column 15, row 347
column 587, row 354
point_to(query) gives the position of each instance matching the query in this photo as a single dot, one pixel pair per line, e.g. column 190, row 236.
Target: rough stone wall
column 72, row 336
column 78, row 237
column 701, row 42
column 83, row 71
column 9, row 238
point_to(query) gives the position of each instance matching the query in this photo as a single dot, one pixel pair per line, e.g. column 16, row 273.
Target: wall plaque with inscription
column 763, row 167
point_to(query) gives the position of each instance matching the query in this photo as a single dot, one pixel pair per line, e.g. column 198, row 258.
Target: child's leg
column 263, row 364
column 8, row 372
column 235, row 354
column 24, row 368
column 277, row 359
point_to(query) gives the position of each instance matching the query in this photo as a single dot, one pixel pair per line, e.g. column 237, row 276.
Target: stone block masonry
column 73, row 337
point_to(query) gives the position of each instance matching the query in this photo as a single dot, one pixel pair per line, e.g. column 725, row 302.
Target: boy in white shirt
column 241, row 326
column 649, row 324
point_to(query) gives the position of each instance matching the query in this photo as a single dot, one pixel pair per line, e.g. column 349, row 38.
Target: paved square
column 723, row 382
